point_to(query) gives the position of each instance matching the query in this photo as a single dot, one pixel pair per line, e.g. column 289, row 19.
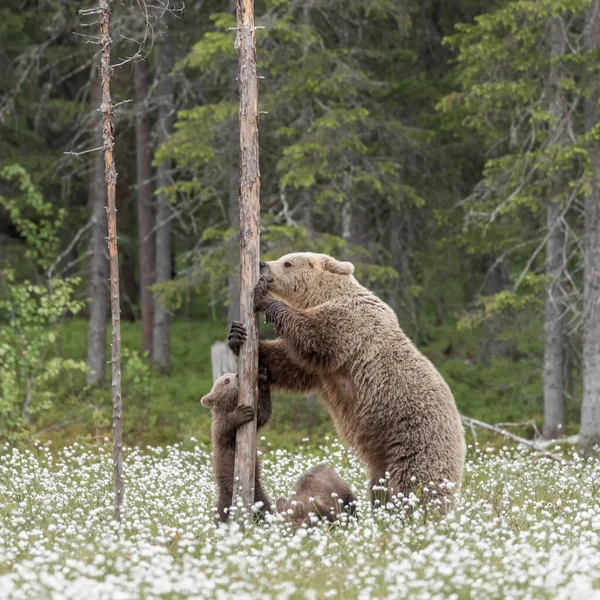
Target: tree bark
column 249, row 207
column 98, row 262
column 161, row 347
column 590, row 409
column 555, row 298
column 110, row 175
column 145, row 217
column 233, row 283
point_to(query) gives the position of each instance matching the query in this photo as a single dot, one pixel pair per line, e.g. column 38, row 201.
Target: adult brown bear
column 387, row 400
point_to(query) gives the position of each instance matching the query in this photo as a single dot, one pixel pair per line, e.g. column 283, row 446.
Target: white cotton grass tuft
column 525, row 527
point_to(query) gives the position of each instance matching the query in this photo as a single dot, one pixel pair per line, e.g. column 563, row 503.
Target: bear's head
column 224, row 394
column 305, row 279
column 294, row 511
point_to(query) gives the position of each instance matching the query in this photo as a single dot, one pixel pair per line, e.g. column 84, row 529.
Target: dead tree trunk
column 555, row 298
column 590, row 409
column 249, row 205
column 161, row 347
column 222, row 359
column 145, row 217
column 98, row 265
column 233, row 282
column 110, row 175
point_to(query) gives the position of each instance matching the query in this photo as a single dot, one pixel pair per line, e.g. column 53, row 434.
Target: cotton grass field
column 526, row 526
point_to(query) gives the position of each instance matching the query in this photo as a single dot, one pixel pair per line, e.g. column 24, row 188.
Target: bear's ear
column 340, row 267
column 281, row 505
column 207, row 401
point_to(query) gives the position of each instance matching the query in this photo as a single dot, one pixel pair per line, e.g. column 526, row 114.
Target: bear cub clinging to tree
column 227, row 418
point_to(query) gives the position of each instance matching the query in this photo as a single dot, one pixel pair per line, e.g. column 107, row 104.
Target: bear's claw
column 236, row 338
column 244, row 414
column 260, row 292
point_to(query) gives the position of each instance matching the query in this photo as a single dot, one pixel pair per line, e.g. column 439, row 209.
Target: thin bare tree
column 554, row 324
column 249, row 209
column 161, row 348
column 98, row 262
column 110, row 175
column 590, row 409
column 143, row 153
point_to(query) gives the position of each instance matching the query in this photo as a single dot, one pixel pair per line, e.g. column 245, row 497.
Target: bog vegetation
column 526, row 527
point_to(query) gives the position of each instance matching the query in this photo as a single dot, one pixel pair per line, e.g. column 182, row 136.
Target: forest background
column 448, row 149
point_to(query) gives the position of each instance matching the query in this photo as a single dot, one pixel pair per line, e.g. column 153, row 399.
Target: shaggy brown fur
column 321, row 493
column 387, row 400
column 228, row 417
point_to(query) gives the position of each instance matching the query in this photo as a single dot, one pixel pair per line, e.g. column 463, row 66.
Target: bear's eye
column 287, row 263
column 227, row 381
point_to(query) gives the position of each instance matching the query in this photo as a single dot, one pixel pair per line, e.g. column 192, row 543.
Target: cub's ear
column 339, row 267
column 207, row 401
column 281, row 505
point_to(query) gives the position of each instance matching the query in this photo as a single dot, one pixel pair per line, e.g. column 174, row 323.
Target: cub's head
column 305, row 279
column 294, row 511
column 224, row 394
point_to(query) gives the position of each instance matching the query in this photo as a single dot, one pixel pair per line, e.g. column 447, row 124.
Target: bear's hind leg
column 261, row 496
column 378, row 488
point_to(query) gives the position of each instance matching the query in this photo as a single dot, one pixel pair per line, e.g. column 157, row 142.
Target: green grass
column 168, row 408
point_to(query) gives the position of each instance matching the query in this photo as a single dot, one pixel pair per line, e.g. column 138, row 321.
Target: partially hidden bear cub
column 320, row 493
column 388, row 401
column 227, row 418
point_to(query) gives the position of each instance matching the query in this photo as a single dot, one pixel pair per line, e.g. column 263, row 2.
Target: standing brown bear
column 228, row 417
column 387, row 400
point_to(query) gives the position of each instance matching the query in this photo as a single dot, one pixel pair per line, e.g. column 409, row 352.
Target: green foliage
column 36, row 220
column 29, row 317
column 164, row 409
column 30, row 312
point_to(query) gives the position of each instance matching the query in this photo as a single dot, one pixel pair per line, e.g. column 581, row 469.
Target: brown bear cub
column 319, row 494
column 228, row 417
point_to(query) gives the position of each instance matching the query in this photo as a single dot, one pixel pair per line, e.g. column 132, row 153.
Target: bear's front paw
column 243, row 414
column 263, row 376
column 237, row 337
column 261, row 302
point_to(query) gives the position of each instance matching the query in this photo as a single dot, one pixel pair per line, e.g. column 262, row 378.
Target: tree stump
column 223, row 360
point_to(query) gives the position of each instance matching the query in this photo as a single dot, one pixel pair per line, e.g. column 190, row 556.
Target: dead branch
column 517, row 438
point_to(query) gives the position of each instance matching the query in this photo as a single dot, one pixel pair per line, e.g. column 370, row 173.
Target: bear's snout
column 265, row 270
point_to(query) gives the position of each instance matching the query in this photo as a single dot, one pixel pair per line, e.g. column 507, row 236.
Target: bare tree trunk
column 555, row 300
column 145, row 217
column 222, row 359
column 590, row 409
column 161, row 347
column 233, row 283
column 98, row 265
column 249, row 203
column 110, row 175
